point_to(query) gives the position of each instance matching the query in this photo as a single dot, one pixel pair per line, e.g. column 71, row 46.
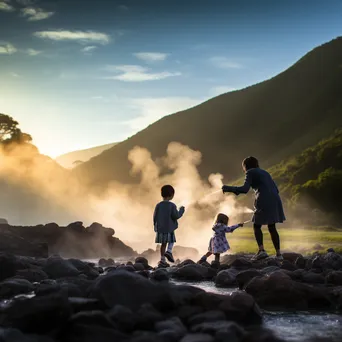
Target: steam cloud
column 126, row 208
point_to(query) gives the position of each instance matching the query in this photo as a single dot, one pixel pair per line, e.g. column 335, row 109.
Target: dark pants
column 274, row 235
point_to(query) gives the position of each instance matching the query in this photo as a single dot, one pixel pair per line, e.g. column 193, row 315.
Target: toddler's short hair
column 167, row 191
column 222, row 218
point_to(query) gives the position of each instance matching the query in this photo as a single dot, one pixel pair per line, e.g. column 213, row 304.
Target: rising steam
column 126, row 208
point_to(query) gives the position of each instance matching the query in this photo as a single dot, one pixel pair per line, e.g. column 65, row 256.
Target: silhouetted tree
column 10, row 132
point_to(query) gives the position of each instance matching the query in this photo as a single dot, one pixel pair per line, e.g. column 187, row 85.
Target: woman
column 268, row 206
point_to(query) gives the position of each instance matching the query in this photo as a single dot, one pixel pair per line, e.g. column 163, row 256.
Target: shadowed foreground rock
column 68, row 300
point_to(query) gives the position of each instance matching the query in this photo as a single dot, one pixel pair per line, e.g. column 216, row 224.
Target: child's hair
column 167, row 191
column 222, row 218
column 250, row 163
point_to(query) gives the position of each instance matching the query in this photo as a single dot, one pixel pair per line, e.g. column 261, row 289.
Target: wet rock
column 197, row 338
column 334, row 278
column 38, row 314
column 172, row 329
column 279, row 291
column 106, row 262
column 231, row 329
column 208, row 316
column 292, row 257
column 94, row 317
column 144, row 273
column 270, row 269
column 147, row 316
column 143, row 261
column 226, row 278
column 160, row 274
column 244, row 277
column 241, row 263
column 127, row 268
column 84, row 268
column 79, row 304
column 57, row 267
column 193, row 272
column 13, row 287
column 288, row 265
column 139, row 267
column 33, row 275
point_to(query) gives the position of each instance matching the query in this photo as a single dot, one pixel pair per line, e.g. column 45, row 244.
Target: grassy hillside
column 67, row 160
column 313, row 179
column 271, row 120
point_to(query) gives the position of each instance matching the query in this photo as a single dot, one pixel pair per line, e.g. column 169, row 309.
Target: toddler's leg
column 170, row 247
column 217, row 258
column 206, row 256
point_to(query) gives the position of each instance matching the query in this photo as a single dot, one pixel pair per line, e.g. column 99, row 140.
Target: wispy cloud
column 123, row 8
column 137, row 73
column 82, row 37
column 13, row 74
column 35, row 14
column 153, row 109
column 6, row 7
column 221, row 90
column 7, row 49
column 32, row 52
column 89, row 49
column 151, row 56
column 225, row 63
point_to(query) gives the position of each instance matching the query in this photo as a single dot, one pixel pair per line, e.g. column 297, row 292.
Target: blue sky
column 81, row 73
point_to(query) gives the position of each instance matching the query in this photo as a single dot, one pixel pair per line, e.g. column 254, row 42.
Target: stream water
column 295, row 326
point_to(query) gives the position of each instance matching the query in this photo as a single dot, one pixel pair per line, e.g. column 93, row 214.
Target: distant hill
column 67, row 160
column 272, row 120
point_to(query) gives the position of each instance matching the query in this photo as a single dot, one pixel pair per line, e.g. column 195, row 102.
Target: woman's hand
column 227, row 188
column 240, row 224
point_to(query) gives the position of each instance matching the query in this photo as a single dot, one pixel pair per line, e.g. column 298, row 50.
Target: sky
column 82, row 73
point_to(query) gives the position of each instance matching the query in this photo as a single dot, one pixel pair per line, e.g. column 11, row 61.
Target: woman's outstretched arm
column 239, row 189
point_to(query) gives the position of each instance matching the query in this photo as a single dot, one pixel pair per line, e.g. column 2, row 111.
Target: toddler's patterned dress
column 219, row 243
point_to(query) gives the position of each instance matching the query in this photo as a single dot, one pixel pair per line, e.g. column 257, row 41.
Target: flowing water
column 296, row 326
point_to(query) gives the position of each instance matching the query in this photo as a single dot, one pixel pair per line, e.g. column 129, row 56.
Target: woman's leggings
column 274, row 235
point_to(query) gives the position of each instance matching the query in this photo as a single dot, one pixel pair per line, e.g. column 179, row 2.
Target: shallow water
column 292, row 326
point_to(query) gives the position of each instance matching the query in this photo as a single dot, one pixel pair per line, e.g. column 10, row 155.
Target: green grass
column 292, row 239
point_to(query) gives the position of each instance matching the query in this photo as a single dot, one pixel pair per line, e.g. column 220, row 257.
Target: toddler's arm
column 232, row 228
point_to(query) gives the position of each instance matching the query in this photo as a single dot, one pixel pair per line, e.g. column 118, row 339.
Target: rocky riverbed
column 56, row 299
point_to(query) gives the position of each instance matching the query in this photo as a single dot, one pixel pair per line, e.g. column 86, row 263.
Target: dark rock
column 123, row 317
column 279, row 291
column 330, row 250
column 270, row 269
column 8, row 266
column 143, row 261
column 3, row 221
column 79, row 304
column 208, row 316
column 147, row 316
column 38, row 314
column 300, row 262
column 313, row 278
column 186, row 262
column 160, row 274
column 92, row 318
column 172, row 329
column 84, row 268
column 291, row 257
column 98, row 230
column 244, row 277
column 233, row 331
column 144, row 273
column 146, row 336
column 106, row 262
column 33, row 275
column 334, row 278
column 226, row 278
column 241, row 263
column 186, row 312
column 139, row 267
column 288, row 265
column 13, row 287
column 197, row 338
column 128, row 289
column 14, row 335
column 56, row 267
column 128, row 268
column 75, row 286
column 193, row 272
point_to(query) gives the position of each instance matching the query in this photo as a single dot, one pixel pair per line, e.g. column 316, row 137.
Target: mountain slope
column 67, row 160
column 271, row 120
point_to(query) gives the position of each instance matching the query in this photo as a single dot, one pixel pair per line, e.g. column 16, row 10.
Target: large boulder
column 244, row 277
column 84, row 268
column 128, row 289
column 278, row 291
column 57, row 267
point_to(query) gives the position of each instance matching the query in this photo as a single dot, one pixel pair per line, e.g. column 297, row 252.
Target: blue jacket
column 268, row 206
column 165, row 217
